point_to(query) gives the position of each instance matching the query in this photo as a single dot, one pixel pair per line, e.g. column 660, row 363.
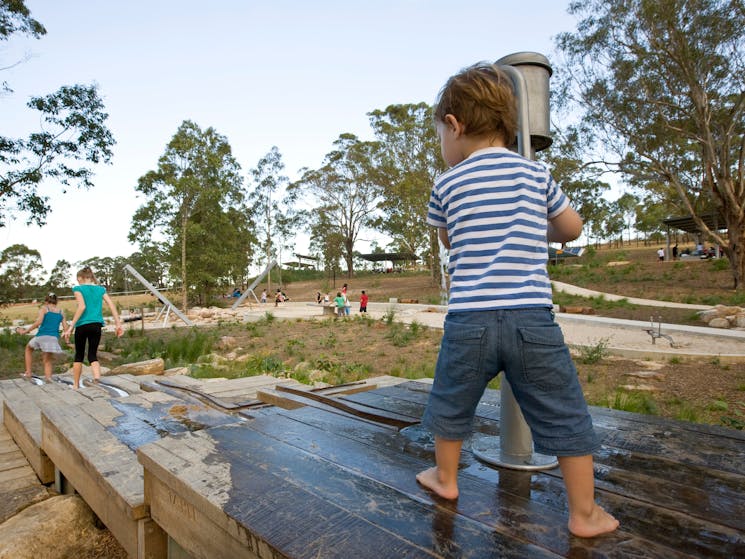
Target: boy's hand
column 119, row 331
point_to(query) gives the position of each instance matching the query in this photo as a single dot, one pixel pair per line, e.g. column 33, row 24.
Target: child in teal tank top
column 88, row 322
column 47, row 337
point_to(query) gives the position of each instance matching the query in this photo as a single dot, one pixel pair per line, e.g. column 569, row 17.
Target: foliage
column 660, row 87
column 271, row 208
column 409, row 163
column 73, row 135
column 59, row 277
column 635, row 402
column 343, row 194
column 183, row 348
column 195, row 200
column 20, row 273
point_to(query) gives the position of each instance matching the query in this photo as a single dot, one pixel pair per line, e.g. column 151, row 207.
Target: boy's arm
column 442, row 233
column 565, row 227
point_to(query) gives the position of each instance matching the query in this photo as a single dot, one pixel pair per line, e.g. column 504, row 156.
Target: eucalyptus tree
column 579, row 181
column 272, row 207
column 73, row 136
column 344, row 192
column 20, row 272
column 662, row 85
column 60, row 278
column 409, row 163
column 188, row 198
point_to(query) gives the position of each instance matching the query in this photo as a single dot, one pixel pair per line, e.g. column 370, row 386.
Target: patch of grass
column 263, row 364
column 687, row 413
column 675, row 360
column 719, row 264
column 389, row 316
column 401, row 335
column 718, row 405
column 594, row 353
column 636, row 402
column 329, row 341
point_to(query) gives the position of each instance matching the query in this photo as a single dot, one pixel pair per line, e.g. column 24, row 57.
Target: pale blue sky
column 294, row 74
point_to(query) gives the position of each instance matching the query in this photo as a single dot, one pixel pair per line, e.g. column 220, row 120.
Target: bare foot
column 598, row 522
column 26, row 375
column 431, row 480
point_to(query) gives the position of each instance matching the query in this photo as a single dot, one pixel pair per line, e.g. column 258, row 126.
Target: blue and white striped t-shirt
column 496, row 206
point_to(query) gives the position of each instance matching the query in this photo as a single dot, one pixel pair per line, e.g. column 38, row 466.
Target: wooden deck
column 222, row 474
column 309, row 483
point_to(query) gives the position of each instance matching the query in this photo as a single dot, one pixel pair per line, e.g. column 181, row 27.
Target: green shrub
column 592, row 354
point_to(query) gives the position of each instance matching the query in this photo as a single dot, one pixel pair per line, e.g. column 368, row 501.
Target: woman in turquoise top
column 47, row 337
column 88, row 322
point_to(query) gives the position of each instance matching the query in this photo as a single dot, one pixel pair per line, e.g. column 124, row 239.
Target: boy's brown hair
column 481, row 98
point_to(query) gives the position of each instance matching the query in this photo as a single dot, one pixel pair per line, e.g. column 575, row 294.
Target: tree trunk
column 434, row 257
column 184, row 298
column 349, row 256
column 736, row 254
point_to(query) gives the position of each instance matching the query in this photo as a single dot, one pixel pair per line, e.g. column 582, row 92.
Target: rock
column 719, row 323
column 577, row 310
column 18, row 499
column 51, row 529
column 106, row 356
column 739, row 321
column 207, row 313
column 176, row 371
column 226, row 342
column 615, row 263
column 708, row 314
column 640, row 387
column 646, row 374
column 149, row 367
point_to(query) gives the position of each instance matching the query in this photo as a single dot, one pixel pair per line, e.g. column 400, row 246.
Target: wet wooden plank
column 235, row 476
column 510, row 504
column 643, row 482
column 713, row 448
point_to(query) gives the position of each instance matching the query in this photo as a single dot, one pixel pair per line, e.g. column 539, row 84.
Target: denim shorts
column 529, row 347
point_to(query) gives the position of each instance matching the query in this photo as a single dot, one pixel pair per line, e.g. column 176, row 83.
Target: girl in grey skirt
column 47, row 338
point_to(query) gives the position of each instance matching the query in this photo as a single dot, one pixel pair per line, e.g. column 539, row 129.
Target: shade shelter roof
column 390, row 257
column 713, row 221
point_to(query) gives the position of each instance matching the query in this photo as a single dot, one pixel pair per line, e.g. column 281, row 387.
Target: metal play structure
column 256, row 282
column 168, row 307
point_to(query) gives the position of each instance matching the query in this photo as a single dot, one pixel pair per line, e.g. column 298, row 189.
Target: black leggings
column 90, row 333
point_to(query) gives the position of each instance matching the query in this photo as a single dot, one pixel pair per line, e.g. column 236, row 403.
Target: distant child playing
column 495, row 211
column 363, row 301
column 88, row 323
column 340, row 302
column 47, row 338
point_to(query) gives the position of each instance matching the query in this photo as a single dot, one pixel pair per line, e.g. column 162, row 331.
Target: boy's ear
column 454, row 125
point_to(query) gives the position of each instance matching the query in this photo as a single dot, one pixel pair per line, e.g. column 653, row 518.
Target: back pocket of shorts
column 463, row 350
column 546, row 360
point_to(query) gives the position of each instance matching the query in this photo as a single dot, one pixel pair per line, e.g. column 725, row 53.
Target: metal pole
column 515, row 443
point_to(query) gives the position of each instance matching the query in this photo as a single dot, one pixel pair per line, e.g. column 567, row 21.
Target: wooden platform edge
column 130, row 523
column 30, row 445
